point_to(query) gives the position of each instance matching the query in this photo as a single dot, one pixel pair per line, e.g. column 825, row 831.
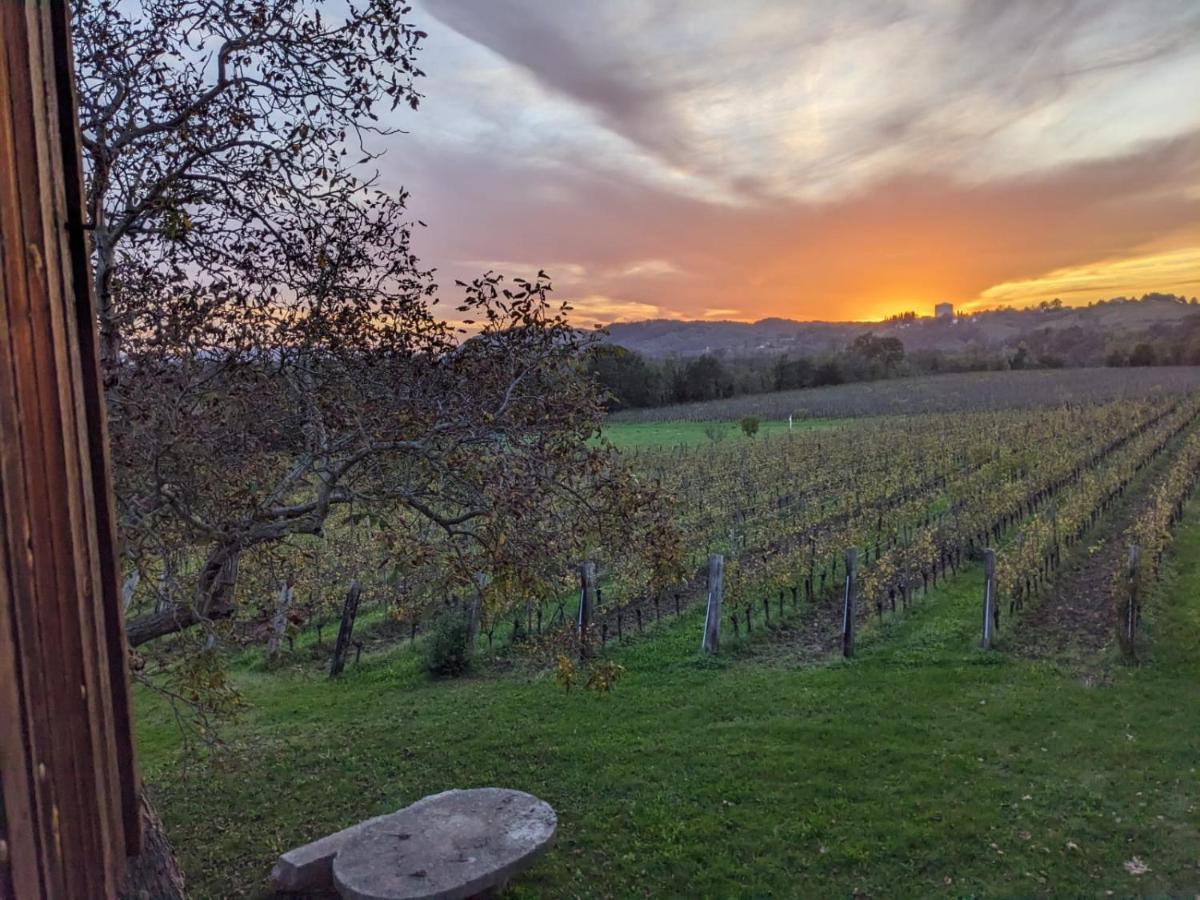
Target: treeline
column 1168, row 343
column 635, row 382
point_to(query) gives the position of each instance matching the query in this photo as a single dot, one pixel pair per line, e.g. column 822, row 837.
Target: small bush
column 604, row 676
column 750, row 425
column 448, row 651
column 1143, row 355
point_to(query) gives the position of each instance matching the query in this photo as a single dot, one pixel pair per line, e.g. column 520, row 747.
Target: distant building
column 944, row 311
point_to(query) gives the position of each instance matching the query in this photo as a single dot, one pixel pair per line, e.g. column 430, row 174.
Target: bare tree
column 207, row 116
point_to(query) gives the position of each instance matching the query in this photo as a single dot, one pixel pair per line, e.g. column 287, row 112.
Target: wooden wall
column 68, row 815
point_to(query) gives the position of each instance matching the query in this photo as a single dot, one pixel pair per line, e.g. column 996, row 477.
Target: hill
column 1080, row 332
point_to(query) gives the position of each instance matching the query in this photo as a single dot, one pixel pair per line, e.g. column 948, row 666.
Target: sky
column 809, row 160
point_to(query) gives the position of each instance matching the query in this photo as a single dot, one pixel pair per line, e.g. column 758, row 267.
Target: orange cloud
column 598, row 309
column 1176, row 271
column 905, row 243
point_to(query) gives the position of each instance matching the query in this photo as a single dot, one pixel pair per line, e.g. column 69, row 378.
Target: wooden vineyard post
column 989, row 597
column 712, row 614
column 848, row 605
column 342, row 647
column 587, row 604
column 1130, row 623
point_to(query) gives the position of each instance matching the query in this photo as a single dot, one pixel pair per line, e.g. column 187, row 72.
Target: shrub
column 448, row 651
column 750, row 425
column 1143, row 355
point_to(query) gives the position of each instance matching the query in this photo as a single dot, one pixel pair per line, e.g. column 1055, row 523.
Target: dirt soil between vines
column 1073, row 621
column 1075, row 617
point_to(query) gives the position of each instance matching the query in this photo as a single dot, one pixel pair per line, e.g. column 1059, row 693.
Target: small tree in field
column 448, row 647
column 749, row 425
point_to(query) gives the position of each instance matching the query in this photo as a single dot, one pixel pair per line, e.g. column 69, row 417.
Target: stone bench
column 461, row 843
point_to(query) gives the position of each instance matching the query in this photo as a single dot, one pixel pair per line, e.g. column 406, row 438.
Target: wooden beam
column 68, row 780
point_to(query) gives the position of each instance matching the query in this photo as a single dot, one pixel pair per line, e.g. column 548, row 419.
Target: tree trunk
column 168, row 621
column 128, row 586
column 475, row 612
column 154, row 874
column 106, row 318
column 283, row 603
column 214, row 600
column 162, row 592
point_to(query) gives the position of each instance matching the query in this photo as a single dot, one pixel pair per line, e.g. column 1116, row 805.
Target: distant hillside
column 1058, row 329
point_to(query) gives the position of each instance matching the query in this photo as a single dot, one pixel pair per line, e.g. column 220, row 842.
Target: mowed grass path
column 924, row 768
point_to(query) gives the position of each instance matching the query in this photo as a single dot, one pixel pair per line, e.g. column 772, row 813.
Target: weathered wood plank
column 68, row 785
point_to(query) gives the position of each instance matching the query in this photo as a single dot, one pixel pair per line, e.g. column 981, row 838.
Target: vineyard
column 872, row 531
column 914, row 497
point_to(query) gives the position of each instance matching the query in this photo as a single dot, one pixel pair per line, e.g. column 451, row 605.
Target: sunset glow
column 809, row 161
column 1121, row 277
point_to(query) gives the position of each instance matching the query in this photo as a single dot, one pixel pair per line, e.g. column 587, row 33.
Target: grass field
column 924, row 767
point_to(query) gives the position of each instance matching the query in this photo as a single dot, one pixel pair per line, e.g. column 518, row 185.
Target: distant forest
column 1050, row 337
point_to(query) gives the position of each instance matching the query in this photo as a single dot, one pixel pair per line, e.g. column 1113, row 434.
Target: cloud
column 776, row 98
column 907, row 242
column 650, row 268
column 597, row 309
column 565, row 273
column 1173, row 271
column 800, row 159
column 584, row 51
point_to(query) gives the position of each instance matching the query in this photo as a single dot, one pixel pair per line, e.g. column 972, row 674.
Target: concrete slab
column 309, row 868
column 456, row 844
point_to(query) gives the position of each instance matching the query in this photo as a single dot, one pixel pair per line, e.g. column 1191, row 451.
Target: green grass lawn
column 924, row 767
column 631, row 435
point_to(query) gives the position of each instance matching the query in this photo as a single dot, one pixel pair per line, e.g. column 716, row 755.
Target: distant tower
column 944, row 311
